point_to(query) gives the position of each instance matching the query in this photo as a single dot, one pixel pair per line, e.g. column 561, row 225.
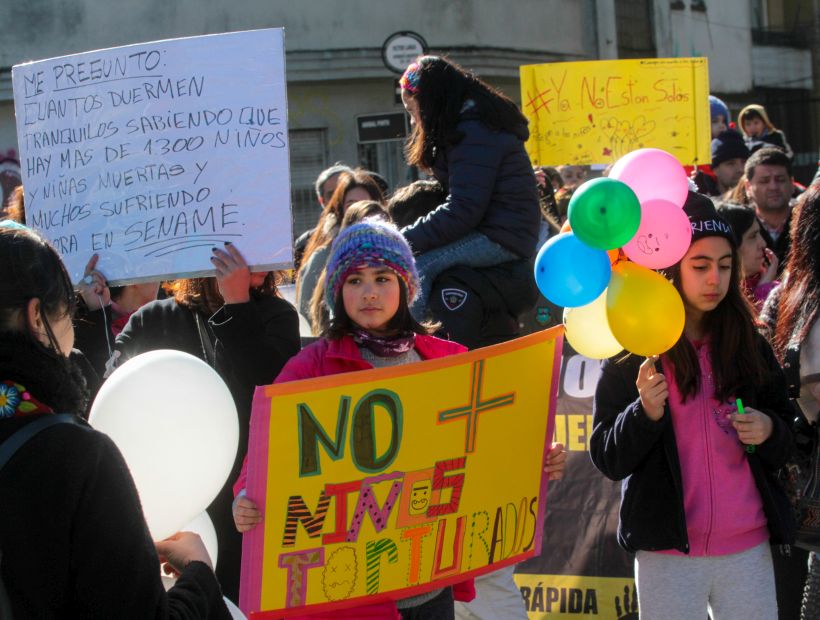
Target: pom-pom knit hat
column 371, row 243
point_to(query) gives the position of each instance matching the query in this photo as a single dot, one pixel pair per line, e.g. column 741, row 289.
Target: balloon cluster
column 600, row 267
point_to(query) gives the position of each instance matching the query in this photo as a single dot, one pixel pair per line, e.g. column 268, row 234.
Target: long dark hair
column 735, row 356
column 799, row 303
column 341, row 324
column 331, row 218
column 30, row 268
column 443, row 89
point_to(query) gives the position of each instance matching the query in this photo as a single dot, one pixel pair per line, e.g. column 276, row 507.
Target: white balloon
column 236, row 614
column 203, row 526
column 174, row 420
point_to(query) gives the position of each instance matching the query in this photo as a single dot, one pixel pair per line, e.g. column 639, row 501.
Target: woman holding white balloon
column 72, row 536
column 237, row 324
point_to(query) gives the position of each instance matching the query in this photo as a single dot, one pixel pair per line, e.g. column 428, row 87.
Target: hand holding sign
column 232, row 274
column 93, row 288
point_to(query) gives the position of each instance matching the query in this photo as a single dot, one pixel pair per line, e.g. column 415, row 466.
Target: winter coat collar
column 56, row 381
column 428, row 347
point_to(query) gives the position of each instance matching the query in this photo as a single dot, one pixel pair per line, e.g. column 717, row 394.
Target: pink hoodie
column 724, row 511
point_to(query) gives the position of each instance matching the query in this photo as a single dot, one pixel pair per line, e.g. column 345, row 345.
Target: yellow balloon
column 645, row 311
column 587, row 330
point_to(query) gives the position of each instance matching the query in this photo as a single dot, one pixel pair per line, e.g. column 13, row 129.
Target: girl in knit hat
column 757, row 128
column 699, row 501
column 371, row 282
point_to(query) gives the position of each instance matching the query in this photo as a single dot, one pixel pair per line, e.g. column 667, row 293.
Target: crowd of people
column 432, row 269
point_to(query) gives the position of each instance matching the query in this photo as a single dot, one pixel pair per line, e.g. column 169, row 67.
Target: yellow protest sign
column 384, row 484
column 594, row 112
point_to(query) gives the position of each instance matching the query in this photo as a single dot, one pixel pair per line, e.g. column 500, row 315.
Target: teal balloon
column 570, row 273
column 604, row 213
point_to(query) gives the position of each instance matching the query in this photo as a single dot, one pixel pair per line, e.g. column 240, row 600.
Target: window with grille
column 633, row 19
column 308, row 157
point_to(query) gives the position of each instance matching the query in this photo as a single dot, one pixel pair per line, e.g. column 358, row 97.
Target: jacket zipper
column 709, row 475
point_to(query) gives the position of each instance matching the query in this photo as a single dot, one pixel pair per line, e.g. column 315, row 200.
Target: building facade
column 336, row 73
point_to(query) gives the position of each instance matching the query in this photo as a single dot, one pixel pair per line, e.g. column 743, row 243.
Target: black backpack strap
column 18, row 439
column 791, row 368
column 7, row 449
column 5, row 603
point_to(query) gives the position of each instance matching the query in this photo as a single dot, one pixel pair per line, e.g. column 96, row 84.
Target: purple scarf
column 389, row 346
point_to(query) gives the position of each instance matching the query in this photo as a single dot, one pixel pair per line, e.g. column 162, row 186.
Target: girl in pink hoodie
column 371, row 280
column 696, row 437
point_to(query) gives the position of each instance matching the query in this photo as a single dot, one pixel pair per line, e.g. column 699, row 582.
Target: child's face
column 705, row 273
column 718, row 125
column 572, row 176
column 754, row 126
column 356, row 194
column 371, row 298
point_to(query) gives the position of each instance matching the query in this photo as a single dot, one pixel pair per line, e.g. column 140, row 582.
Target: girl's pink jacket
column 331, row 357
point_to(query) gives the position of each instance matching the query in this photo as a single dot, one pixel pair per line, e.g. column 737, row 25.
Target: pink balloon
column 663, row 237
column 652, row 174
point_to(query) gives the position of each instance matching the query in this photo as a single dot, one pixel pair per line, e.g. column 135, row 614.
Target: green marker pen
column 741, row 411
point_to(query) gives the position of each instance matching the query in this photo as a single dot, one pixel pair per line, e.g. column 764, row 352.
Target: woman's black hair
column 444, row 88
column 31, row 269
column 739, row 217
column 341, row 324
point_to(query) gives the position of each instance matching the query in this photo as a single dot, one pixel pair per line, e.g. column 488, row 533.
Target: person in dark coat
column 73, row 540
column 240, row 327
column 471, row 138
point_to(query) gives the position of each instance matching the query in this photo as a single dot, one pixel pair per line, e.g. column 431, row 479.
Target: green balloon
column 604, row 213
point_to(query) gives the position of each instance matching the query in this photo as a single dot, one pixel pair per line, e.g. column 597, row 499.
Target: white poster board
column 150, row 155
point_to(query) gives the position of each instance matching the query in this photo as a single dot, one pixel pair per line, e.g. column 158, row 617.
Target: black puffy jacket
column 490, row 189
column 627, row 445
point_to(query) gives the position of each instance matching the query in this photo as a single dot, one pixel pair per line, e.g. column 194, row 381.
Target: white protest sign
column 152, row 154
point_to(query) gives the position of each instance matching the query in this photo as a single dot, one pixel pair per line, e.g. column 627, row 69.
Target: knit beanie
column 409, row 80
column 718, row 108
column 704, row 219
column 728, row 145
column 371, row 243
